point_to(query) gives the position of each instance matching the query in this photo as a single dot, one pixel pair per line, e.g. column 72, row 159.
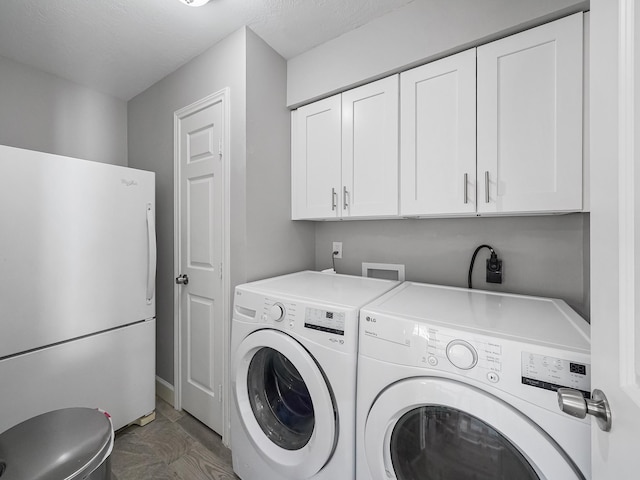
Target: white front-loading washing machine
column 457, row 384
column 294, row 343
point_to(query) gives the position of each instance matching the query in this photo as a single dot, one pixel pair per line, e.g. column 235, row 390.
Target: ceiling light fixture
column 195, row 3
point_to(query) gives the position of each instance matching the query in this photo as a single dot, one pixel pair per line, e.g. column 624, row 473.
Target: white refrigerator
column 77, row 287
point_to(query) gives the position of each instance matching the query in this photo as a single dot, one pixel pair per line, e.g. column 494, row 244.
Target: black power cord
column 494, row 265
column 333, row 260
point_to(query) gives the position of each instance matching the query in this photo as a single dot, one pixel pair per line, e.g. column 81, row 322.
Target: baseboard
column 165, row 391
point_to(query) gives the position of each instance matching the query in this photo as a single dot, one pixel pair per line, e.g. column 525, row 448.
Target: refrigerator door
column 77, row 249
column 114, row 371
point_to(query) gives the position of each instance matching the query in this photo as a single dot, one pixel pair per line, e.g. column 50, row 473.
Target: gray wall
column 542, row 255
column 39, row 111
column 419, row 32
column 275, row 244
column 259, row 167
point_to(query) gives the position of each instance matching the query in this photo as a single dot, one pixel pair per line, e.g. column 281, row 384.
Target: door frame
column 221, row 95
column 628, row 203
column 615, row 208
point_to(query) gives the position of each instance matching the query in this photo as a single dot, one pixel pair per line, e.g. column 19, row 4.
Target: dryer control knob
column 462, row 354
column 276, row 312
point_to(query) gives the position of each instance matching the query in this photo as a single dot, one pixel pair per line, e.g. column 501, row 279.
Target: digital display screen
column 578, row 368
column 324, row 321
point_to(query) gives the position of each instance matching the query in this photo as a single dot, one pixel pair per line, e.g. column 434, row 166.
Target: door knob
column 182, row 279
column 573, row 403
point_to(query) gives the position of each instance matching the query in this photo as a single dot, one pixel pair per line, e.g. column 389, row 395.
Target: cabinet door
column 315, row 159
column 438, row 137
column 370, row 149
column 530, row 120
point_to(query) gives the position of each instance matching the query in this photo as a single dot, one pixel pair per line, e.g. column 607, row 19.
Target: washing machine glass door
column 433, row 428
column 285, row 403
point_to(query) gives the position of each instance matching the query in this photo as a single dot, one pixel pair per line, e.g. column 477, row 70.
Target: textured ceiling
column 121, row 47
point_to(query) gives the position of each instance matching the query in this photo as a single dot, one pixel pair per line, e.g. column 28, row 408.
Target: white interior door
column 615, row 233
column 201, row 200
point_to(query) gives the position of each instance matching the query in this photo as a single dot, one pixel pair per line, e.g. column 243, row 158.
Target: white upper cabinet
column 530, row 120
column 495, row 130
column 345, row 154
column 370, row 149
column 438, row 137
column 316, row 159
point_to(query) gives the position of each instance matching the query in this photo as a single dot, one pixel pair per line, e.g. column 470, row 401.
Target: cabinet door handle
column 466, row 197
column 333, row 199
column 486, row 186
column 344, row 198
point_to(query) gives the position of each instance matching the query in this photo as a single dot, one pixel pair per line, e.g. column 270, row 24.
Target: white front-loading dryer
column 294, row 343
column 457, row 384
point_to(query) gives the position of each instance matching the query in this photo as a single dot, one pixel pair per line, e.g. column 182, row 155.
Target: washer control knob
column 276, row 312
column 462, row 354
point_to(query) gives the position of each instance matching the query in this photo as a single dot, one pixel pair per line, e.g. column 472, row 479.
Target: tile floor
column 174, row 446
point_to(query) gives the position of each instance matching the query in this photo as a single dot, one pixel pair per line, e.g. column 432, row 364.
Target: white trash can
column 72, row 443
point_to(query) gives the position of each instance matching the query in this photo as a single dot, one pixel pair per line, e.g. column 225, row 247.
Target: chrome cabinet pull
column 344, row 198
column 466, row 196
column 486, row 186
column 333, row 199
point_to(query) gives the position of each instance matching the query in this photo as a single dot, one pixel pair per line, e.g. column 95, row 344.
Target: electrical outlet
column 337, row 247
column 494, row 269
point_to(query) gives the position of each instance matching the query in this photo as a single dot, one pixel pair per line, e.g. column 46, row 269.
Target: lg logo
column 370, row 319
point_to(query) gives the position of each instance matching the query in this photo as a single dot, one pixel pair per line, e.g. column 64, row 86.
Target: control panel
column 325, row 324
column 464, row 354
column 324, row 320
column 276, row 312
column 411, row 343
column 550, row 373
column 507, row 364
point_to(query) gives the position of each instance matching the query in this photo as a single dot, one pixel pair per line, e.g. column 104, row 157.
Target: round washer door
column 432, row 428
column 284, row 403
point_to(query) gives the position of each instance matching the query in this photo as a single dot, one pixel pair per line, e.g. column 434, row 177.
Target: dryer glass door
column 433, row 428
column 280, row 399
column 442, row 442
column 285, row 404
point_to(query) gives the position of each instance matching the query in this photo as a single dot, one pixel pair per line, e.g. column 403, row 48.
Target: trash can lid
column 63, row 444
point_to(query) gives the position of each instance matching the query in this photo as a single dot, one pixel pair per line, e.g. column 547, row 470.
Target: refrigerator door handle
column 152, row 252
